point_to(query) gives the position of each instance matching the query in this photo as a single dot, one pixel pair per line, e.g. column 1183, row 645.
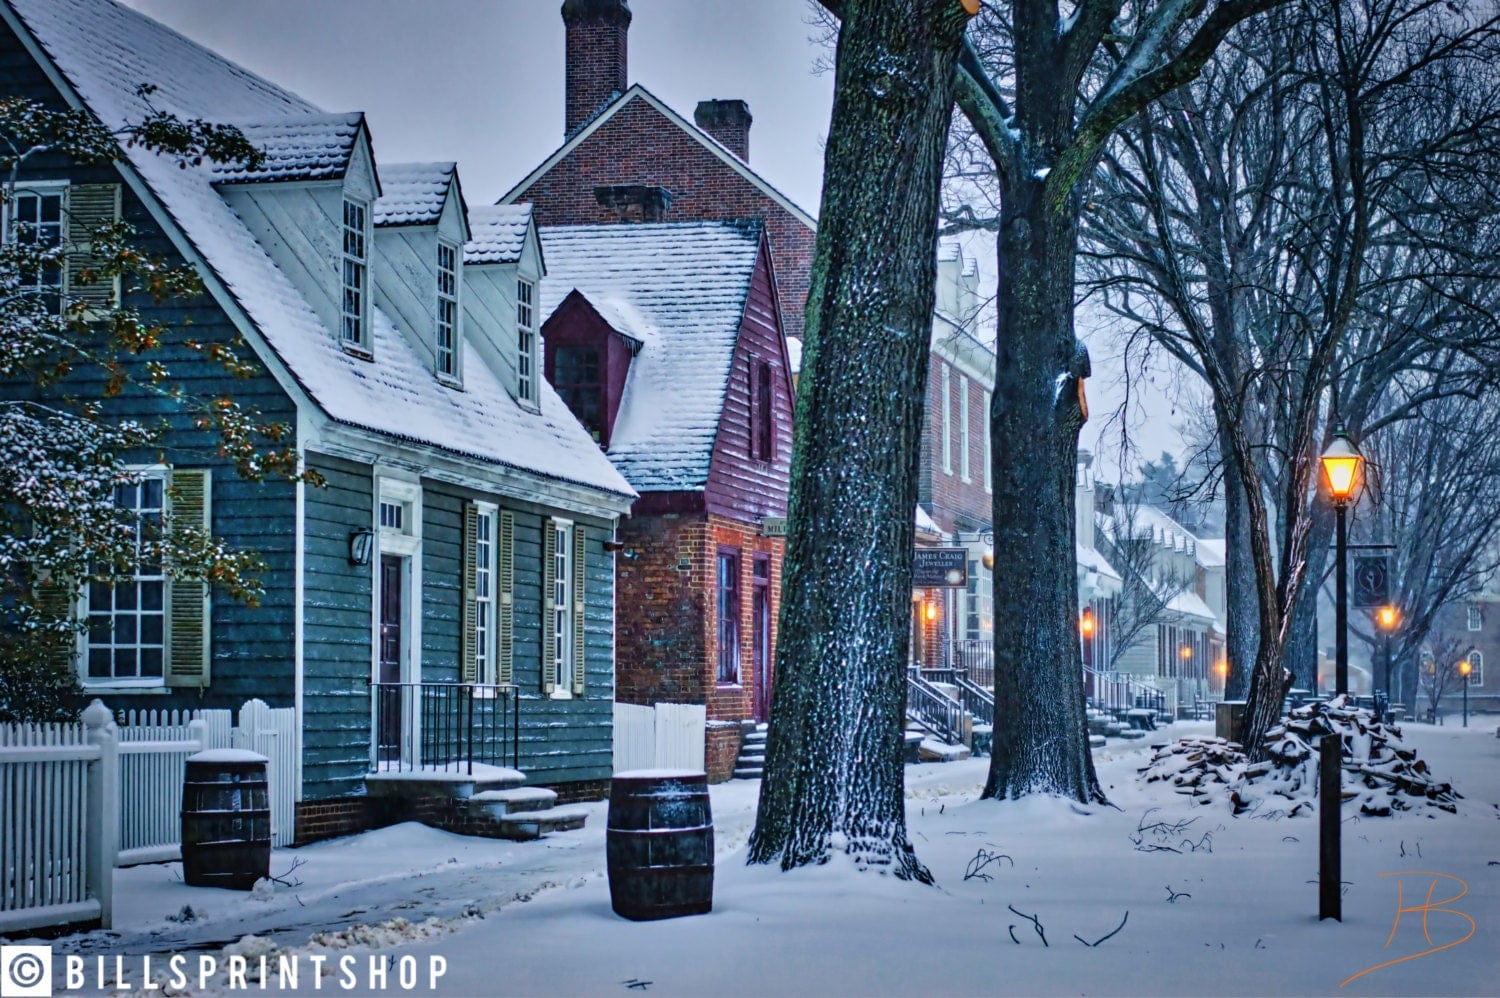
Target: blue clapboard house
column 440, row 612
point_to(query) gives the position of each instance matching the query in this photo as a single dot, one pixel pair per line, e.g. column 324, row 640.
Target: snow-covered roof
column 689, row 283
column 1164, row 530
column 497, row 233
column 1091, row 559
column 1188, row 602
column 314, row 146
column 927, row 523
column 105, row 52
column 1211, row 552
column 413, row 193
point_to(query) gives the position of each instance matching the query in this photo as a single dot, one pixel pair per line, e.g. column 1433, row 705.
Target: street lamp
column 1386, row 618
column 1223, row 668
column 1341, row 467
column 1463, row 672
column 1086, row 628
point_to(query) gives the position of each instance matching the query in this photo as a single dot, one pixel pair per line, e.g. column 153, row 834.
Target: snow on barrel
column 660, row 844
column 226, row 819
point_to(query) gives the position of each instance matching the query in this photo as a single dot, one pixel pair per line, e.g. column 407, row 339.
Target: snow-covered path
column 1236, row 916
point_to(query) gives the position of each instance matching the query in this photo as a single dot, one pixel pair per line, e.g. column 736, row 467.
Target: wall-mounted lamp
column 361, row 546
column 614, row 545
column 930, row 610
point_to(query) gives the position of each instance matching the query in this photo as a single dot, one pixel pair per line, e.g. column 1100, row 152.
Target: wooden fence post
column 104, row 805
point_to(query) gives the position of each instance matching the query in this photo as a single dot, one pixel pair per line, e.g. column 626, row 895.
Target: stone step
column 498, row 803
column 748, row 772
column 525, row 825
column 759, row 759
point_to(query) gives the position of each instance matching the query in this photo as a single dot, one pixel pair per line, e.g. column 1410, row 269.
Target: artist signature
column 1427, row 908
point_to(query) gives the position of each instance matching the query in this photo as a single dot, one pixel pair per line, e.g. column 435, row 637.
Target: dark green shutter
column 187, row 599
column 90, row 206
column 56, row 601
column 549, row 606
column 469, row 640
column 505, row 584
column 579, row 580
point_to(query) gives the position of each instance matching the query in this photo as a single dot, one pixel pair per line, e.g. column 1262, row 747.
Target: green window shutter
column 579, row 579
column 505, row 611
column 469, row 639
column 58, row 601
column 90, row 206
column 549, row 606
column 187, row 599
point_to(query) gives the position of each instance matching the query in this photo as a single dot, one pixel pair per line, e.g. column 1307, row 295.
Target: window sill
column 448, row 381
column 98, row 688
column 730, row 686
column 363, row 353
column 560, row 695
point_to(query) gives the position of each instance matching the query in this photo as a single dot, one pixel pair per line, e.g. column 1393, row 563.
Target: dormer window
column 578, row 378
column 447, row 311
column 353, row 331
column 526, row 388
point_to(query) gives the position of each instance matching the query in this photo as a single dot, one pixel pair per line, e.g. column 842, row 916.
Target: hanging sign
column 1372, row 581
column 940, row 568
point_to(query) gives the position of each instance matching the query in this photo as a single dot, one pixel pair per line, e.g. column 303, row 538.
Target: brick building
column 1466, row 631
column 665, row 340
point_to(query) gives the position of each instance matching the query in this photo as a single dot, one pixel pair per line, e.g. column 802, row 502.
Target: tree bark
column 834, row 778
column 1040, row 742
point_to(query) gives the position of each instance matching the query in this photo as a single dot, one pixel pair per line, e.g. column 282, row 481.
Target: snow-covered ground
column 1229, row 906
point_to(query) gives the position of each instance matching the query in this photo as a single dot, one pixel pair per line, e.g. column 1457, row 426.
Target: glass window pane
column 151, row 595
column 151, row 629
column 151, row 662
column 99, row 662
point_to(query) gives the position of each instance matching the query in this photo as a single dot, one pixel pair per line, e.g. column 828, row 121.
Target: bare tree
column 1147, row 587
column 1286, row 224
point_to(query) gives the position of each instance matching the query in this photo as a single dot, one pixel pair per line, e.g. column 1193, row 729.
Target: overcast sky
column 481, row 82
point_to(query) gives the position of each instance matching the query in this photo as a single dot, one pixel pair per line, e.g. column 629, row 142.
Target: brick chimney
column 729, row 122
column 595, row 56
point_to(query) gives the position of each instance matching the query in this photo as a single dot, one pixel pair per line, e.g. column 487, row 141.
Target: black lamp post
column 1463, row 677
column 1341, row 467
column 1387, row 618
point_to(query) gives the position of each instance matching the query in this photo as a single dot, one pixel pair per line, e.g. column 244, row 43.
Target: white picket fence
column 667, row 736
column 77, row 800
column 58, row 797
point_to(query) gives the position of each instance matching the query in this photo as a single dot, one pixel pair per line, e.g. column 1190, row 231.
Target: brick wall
column 640, row 145
column 954, row 503
column 722, row 749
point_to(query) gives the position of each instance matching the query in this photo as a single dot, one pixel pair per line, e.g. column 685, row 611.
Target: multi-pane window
column 127, row 617
column 484, row 596
column 1476, row 618
column 447, row 311
column 562, row 603
column 393, row 515
column 352, row 330
column 525, row 341
column 728, row 606
column 1476, row 668
column 979, row 601
column 578, row 377
column 947, row 389
column 35, row 221
column 963, row 427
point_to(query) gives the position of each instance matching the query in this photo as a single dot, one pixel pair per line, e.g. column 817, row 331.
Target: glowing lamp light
column 929, row 610
column 1187, row 651
column 1387, row 617
column 1341, row 466
column 1223, row 668
column 1086, row 622
column 1464, row 667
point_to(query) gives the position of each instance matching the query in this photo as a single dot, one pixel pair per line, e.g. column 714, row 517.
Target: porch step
column 497, row 804
column 525, row 825
column 750, row 764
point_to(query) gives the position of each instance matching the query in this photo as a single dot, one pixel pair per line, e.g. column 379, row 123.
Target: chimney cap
column 607, row 11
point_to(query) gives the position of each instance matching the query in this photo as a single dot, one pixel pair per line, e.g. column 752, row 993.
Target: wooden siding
column 301, row 227
column 336, row 650
column 403, row 276
column 739, row 486
column 252, row 647
column 576, row 323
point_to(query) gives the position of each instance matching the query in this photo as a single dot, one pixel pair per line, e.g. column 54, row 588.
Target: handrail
column 977, row 700
column 445, row 726
column 931, row 708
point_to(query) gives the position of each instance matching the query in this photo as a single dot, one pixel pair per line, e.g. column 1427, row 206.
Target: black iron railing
column 975, row 657
column 445, row 727
column 977, row 700
column 934, row 710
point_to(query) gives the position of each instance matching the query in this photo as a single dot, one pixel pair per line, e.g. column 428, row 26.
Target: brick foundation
column 722, row 749
column 328, row 819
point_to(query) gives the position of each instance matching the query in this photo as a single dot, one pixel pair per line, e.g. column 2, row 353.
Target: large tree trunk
column 834, row 774
column 1040, row 742
column 1242, row 600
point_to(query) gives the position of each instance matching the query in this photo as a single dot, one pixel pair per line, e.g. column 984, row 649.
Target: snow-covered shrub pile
column 1382, row 775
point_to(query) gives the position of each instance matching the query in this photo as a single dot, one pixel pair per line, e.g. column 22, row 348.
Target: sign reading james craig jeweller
column 940, row 568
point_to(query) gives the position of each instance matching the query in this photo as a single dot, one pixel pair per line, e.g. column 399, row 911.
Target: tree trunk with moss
column 834, row 779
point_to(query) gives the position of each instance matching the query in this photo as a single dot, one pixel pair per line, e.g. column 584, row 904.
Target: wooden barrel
column 660, row 845
column 226, row 819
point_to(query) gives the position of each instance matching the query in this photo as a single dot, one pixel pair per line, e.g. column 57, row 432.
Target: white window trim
column 41, row 188
column 1476, row 668
column 947, row 389
column 562, row 641
column 528, row 391
column 361, row 344
column 963, row 427
column 150, row 684
column 405, row 543
column 485, row 611
column 455, row 377
column 1476, row 619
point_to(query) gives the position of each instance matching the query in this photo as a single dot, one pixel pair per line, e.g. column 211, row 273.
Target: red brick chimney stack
column 596, row 44
column 729, row 122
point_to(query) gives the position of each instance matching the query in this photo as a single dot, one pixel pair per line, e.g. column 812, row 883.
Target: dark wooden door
column 760, row 649
column 391, row 702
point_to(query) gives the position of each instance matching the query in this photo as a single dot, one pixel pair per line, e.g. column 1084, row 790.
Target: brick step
column 498, row 803
column 524, row 825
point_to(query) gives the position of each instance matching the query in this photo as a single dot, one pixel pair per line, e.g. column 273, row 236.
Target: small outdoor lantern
column 361, row 545
column 929, row 610
column 1341, row 467
column 1387, row 617
column 1223, row 668
column 1463, row 670
column 1086, row 622
column 1187, row 652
